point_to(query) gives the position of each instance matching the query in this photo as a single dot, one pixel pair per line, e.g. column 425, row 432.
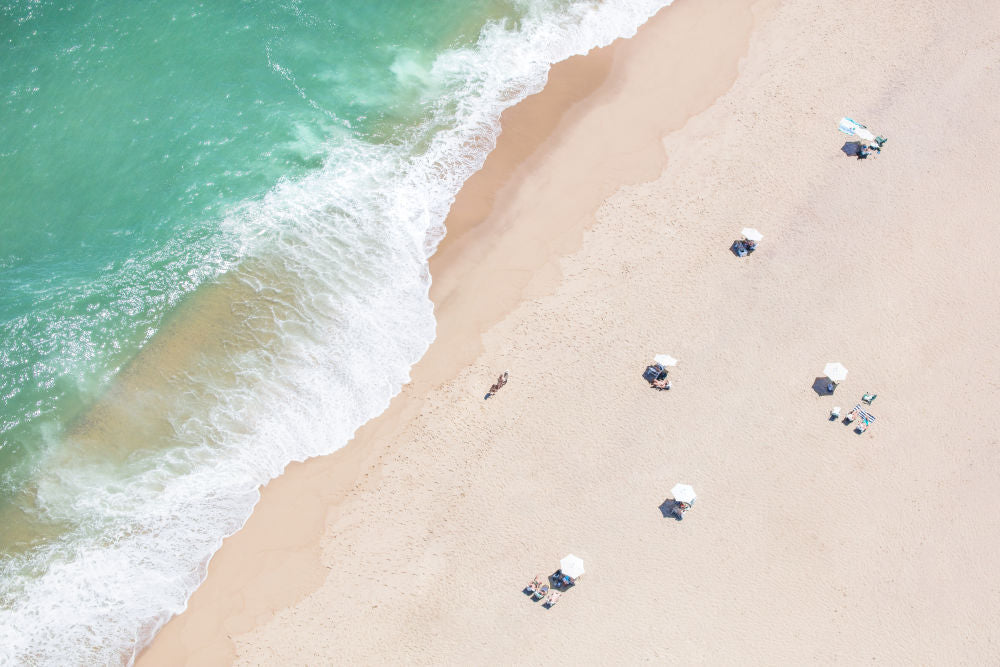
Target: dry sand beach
column 596, row 236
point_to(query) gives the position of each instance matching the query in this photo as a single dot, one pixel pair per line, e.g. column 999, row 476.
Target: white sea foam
column 338, row 334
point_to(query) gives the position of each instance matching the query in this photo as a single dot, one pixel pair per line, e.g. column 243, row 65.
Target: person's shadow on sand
column 670, row 508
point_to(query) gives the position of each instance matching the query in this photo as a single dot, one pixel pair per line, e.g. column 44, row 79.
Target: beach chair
column 553, row 597
column 835, row 413
column 739, row 248
column 866, row 420
column 853, row 414
column 540, row 592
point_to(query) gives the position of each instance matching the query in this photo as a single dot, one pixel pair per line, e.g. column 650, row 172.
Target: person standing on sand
column 501, row 381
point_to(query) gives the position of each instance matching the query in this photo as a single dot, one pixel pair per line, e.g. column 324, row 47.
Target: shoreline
column 284, row 532
column 809, row 542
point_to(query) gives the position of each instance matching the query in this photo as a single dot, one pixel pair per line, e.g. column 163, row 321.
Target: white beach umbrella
column 683, row 493
column 864, row 133
column 855, row 129
column 752, row 234
column 835, row 371
column 571, row 566
column 665, row 360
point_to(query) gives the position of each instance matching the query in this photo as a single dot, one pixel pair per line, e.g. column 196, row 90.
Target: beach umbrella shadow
column 851, row 148
column 671, row 509
column 820, row 386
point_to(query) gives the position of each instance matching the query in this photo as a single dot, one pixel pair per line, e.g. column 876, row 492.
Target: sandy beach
column 598, row 235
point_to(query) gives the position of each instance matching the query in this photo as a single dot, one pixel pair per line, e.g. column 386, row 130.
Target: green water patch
column 129, row 131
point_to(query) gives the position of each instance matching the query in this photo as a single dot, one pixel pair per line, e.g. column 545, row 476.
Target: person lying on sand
column 661, row 384
column 501, row 381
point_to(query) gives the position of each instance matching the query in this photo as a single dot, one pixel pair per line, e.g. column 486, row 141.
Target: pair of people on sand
column 660, row 384
column 498, row 385
column 538, row 589
column 873, row 148
column 561, row 579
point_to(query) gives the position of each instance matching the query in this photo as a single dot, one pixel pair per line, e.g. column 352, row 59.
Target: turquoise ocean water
column 274, row 173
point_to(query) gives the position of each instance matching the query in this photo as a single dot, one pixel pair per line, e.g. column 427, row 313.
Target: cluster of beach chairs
column 863, row 418
column 540, row 589
column 551, row 589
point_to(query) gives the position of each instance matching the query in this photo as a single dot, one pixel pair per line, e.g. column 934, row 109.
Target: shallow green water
column 127, row 132
column 308, row 152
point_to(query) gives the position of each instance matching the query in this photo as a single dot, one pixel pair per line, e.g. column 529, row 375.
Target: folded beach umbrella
column 665, row 360
column 683, row 493
column 855, row 129
column 835, row 371
column 752, row 234
column 571, row 566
